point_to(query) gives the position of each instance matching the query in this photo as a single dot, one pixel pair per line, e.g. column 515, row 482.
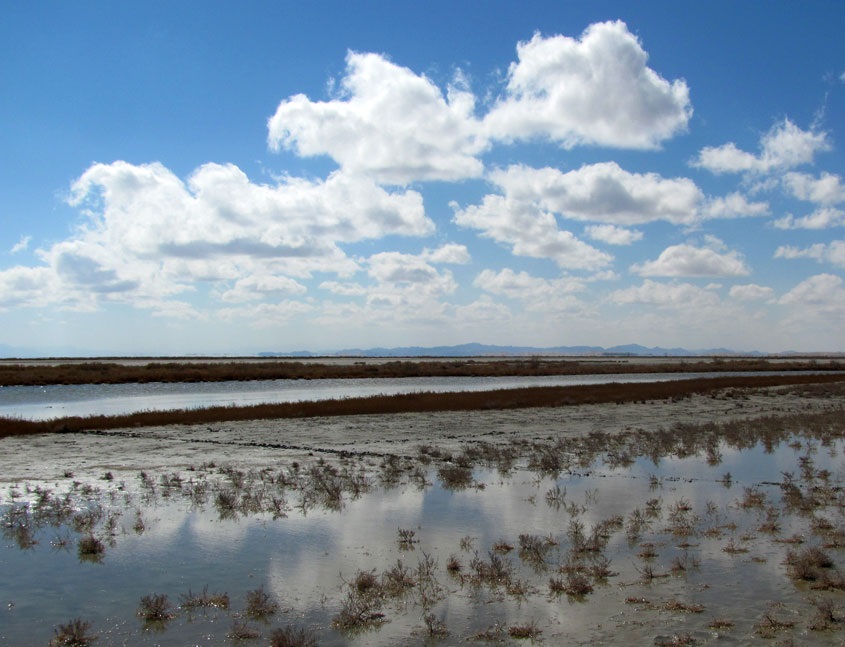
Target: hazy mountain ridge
column 481, row 350
column 473, row 349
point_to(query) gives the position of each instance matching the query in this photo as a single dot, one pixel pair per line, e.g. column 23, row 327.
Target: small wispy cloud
column 22, row 245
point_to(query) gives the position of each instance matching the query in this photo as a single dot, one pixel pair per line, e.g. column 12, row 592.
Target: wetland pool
column 615, row 546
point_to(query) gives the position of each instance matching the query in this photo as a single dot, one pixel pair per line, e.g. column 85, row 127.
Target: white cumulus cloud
column 602, row 192
column 255, row 287
column 665, row 295
column 687, row 260
column 538, row 294
column 596, row 89
column 451, row 253
column 390, row 123
column 822, row 293
column 148, row 235
column 750, row 292
column 613, row 235
column 785, row 146
column 827, row 189
column 822, row 218
column 832, row 252
column 529, row 231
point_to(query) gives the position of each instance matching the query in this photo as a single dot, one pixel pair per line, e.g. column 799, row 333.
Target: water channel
column 55, row 401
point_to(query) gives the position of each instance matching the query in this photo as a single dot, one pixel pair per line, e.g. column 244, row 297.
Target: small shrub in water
column 805, row 564
column 436, row 628
column 259, row 604
column 91, row 549
column 454, row 564
column 192, row 600
column 455, row 477
column 293, row 637
column 407, row 539
column 529, row 630
column 155, row 608
column 73, row 634
column 242, row 631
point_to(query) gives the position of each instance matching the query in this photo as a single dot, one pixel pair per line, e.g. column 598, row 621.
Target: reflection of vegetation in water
column 657, row 545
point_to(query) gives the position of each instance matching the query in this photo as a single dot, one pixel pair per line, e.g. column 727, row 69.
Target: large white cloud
column 602, row 192
column 785, row 146
column 398, row 127
column 529, row 231
column 596, row 89
column 687, row 260
column 390, row 123
column 523, row 216
column 149, row 235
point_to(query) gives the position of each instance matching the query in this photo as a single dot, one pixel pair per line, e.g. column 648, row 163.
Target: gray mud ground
column 258, row 444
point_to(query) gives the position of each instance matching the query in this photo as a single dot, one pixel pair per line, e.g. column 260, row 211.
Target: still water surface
column 46, row 402
column 303, row 560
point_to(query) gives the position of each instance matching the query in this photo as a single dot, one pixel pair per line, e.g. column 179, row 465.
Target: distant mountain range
column 482, row 350
column 461, row 350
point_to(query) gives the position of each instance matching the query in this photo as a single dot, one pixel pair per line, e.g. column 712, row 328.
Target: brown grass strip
column 416, row 402
column 95, row 372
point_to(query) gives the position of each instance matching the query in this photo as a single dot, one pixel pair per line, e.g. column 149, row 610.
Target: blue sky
column 208, row 177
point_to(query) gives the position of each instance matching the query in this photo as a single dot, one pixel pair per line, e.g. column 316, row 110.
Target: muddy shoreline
column 253, row 444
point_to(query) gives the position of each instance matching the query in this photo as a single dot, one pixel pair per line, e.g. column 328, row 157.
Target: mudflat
column 254, row 444
column 695, row 519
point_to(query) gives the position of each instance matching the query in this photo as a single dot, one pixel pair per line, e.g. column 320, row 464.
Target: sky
column 233, row 178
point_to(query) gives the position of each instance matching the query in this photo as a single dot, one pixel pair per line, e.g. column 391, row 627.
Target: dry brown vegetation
column 422, row 402
column 113, row 372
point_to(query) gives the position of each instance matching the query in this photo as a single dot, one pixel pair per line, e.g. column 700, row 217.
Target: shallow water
column 304, row 559
column 46, row 402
